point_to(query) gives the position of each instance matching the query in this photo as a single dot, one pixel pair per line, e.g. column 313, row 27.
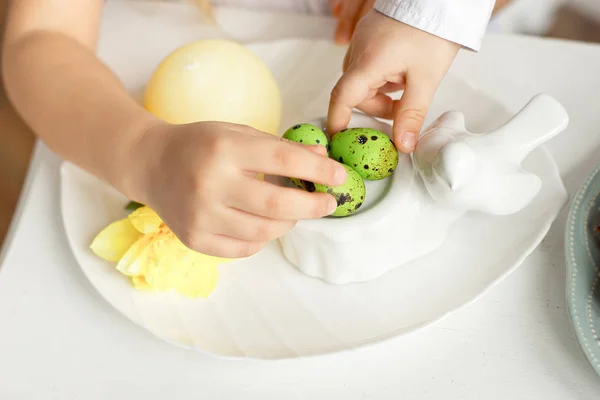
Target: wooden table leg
column 572, row 24
column 16, row 145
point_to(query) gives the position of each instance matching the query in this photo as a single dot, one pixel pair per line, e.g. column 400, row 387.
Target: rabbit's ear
column 513, row 191
column 450, row 119
column 539, row 120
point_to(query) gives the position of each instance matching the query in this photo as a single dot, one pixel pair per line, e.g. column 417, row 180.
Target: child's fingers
column 284, row 158
column 349, row 15
column 251, row 227
column 350, row 91
column 336, row 7
column 224, row 246
column 248, row 130
column 410, row 111
column 317, row 149
column 279, row 203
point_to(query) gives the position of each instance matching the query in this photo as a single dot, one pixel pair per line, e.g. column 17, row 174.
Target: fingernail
column 408, row 140
column 331, row 206
column 340, row 175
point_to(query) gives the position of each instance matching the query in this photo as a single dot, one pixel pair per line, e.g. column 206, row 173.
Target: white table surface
column 60, row 340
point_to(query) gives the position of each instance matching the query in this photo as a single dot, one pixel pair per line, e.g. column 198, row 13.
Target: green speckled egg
column 350, row 196
column 369, row 152
column 307, row 134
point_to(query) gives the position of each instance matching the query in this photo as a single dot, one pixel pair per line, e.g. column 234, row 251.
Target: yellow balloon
column 215, row 80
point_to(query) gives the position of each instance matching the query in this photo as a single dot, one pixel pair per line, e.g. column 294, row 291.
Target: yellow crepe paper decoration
column 150, row 254
column 115, row 239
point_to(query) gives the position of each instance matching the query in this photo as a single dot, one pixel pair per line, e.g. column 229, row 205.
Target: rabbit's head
column 483, row 172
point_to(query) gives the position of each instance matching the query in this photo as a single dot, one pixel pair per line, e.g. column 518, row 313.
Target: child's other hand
column 387, row 56
column 201, row 179
column 348, row 13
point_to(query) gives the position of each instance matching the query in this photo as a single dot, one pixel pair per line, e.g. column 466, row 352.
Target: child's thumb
column 409, row 114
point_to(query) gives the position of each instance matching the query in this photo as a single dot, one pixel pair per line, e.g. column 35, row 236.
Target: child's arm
column 198, row 177
column 64, row 93
column 430, row 15
column 405, row 45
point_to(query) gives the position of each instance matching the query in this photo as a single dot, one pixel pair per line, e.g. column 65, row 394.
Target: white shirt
column 460, row 21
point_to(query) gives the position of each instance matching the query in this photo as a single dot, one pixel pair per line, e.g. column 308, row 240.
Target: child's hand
column 348, row 13
column 201, row 179
column 386, row 56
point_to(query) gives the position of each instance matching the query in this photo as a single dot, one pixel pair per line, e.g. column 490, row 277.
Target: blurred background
column 565, row 19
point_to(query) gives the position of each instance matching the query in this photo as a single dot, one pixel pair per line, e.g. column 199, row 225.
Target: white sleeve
column 460, row 21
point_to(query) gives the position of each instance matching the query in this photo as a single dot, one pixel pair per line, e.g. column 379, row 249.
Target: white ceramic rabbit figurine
column 461, row 172
column 482, row 171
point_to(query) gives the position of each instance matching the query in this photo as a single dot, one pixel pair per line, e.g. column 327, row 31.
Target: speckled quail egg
column 350, row 196
column 369, row 152
column 307, row 134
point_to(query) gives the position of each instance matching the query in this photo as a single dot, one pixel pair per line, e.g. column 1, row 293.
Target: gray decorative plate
column 582, row 253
